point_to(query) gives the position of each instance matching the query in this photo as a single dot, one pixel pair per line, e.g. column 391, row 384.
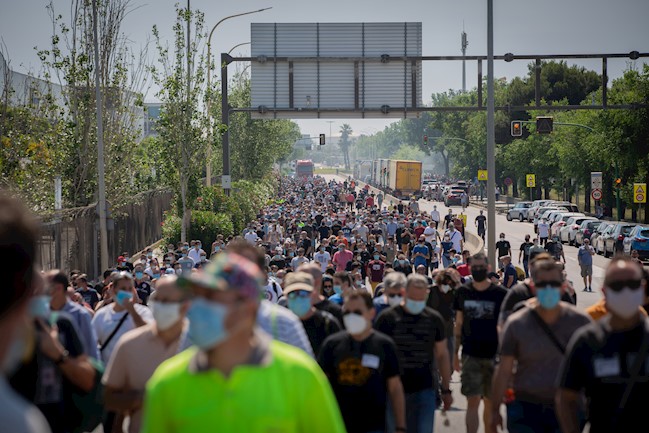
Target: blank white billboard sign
column 335, row 70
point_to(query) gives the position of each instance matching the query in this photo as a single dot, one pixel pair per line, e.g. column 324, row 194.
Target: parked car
column 543, row 212
column 452, row 198
column 519, row 211
column 536, row 204
column 570, row 206
column 638, row 240
column 560, row 221
column 586, row 229
column 569, row 230
column 598, row 235
column 614, row 239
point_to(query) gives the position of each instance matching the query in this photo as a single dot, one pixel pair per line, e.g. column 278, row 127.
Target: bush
column 204, row 226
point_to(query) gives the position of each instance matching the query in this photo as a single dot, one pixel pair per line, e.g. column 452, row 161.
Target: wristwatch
column 446, row 391
column 64, row 357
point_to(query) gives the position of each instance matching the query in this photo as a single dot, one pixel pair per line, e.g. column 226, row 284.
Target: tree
column 182, row 123
column 345, row 143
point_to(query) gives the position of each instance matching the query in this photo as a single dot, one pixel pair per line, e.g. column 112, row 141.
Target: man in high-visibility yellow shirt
column 236, row 379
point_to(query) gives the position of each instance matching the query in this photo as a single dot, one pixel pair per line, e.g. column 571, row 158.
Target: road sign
column 530, row 180
column 482, row 174
column 595, row 180
column 639, row 193
column 508, row 181
column 596, row 194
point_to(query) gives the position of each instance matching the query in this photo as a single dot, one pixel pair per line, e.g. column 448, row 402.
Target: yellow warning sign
column 530, row 180
column 482, row 174
column 639, row 193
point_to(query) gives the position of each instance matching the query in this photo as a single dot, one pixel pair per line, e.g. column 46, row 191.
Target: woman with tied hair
column 441, row 298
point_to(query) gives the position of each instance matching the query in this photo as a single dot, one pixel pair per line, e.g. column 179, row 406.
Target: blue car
column 638, row 240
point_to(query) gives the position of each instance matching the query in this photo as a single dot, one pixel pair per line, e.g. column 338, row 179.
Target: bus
column 304, row 168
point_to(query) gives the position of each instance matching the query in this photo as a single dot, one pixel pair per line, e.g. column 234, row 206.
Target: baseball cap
column 229, row 271
column 298, row 281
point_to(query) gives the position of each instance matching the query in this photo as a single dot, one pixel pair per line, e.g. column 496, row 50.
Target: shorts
column 476, row 376
column 586, row 270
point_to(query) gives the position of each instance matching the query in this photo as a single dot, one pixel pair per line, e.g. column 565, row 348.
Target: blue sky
column 521, row 27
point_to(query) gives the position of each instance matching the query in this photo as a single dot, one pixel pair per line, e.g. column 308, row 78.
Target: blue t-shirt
column 510, row 271
column 420, row 260
column 585, row 259
column 338, row 299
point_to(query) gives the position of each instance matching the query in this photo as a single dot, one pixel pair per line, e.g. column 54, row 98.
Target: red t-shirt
column 419, row 231
column 375, row 269
column 369, row 201
column 341, row 259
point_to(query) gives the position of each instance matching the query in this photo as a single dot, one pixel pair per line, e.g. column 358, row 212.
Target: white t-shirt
column 434, row 214
column 297, row 261
column 456, row 237
column 251, row 237
column 544, row 230
column 430, row 234
column 323, row 258
column 105, row 321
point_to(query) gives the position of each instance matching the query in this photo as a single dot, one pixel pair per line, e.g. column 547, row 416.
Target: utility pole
column 491, row 139
column 101, row 186
column 465, row 43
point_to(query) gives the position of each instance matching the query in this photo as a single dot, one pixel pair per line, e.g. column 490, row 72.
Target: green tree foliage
column 182, row 122
column 345, row 143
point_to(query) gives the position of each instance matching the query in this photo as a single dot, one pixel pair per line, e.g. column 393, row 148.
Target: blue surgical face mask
column 376, row 257
column 338, row 289
column 299, row 305
column 415, row 307
column 139, row 275
column 207, row 323
column 39, row 306
column 156, row 276
column 548, row 296
column 123, row 296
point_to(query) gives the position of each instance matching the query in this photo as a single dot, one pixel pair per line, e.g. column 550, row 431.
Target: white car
column 559, row 221
column 569, row 230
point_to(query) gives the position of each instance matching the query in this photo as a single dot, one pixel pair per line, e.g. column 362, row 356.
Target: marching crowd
column 333, row 311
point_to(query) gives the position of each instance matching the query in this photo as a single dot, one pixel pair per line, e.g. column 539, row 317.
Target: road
column 515, row 232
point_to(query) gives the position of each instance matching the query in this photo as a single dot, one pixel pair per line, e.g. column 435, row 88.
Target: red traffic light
column 425, row 139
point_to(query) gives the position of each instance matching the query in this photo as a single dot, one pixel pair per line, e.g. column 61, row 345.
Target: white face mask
column 445, row 288
column 396, row 300
column 355, row 323
column 166, row 314
column 626, row 302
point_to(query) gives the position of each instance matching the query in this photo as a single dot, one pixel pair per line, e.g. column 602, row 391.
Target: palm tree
column 344, row 143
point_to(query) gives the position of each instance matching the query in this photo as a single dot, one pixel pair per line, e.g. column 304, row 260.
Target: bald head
column 622, row 268
column 167, row 290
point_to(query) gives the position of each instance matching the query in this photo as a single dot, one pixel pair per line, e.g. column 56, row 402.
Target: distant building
column 21, row 90
column 151, row 116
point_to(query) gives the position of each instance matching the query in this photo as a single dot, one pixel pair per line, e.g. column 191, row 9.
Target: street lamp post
column 208, row 171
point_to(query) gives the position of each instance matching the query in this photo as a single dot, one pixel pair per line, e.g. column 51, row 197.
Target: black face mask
column 479, row 274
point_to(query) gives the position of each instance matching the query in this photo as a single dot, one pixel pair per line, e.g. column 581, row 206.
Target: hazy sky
column 520, row 27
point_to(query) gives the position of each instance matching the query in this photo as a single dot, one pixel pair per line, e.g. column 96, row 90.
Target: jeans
column 526, row 417
column 526, row 267
column 420, row 412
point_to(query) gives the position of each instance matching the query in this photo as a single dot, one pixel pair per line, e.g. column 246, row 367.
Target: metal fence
column 70, row 239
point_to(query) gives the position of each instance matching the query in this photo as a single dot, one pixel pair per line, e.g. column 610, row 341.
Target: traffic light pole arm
column 450, row 138
column 579, row 125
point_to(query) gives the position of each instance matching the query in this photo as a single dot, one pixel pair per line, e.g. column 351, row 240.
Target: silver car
column 519, row 211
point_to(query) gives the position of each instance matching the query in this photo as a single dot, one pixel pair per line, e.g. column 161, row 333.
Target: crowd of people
column 328, row 313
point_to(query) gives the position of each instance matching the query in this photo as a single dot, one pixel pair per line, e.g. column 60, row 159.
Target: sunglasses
column 359, row 312
column 617, row 286
column 298, row 294
column 328, row 286
column 393, row 295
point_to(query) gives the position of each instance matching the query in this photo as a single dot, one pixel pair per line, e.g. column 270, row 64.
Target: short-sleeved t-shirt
column 287, row 393
column 318, row 327
column 538, row 359
column 420, row 249
column 585, row 259
column 106, row 320
column 510, row 271
column 480, row 309
column 525, row 248
column 519, row 293
column 415, row 336
column 358, row 372
column 481, row 220
column 503, row 247
column 376, row 268
column 597, row 361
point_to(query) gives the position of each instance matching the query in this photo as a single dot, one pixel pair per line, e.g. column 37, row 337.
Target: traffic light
column 425, row 140
column 322, row 139
column 517, row 128
column 617, row 183
column 544, row 124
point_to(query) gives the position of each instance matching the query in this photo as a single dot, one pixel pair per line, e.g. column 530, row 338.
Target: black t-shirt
column 598, row 361
column 443, row 304
column 324, row 232
column 481, row 220
column 480, row 311
column 144, row 290
column 415, row 337
column 503, row 248
column 332, row 308
column 318, row 327
column 525, row 248
column 318, row 219
column 358, row 372
column 41, row 381
column 90, row 296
